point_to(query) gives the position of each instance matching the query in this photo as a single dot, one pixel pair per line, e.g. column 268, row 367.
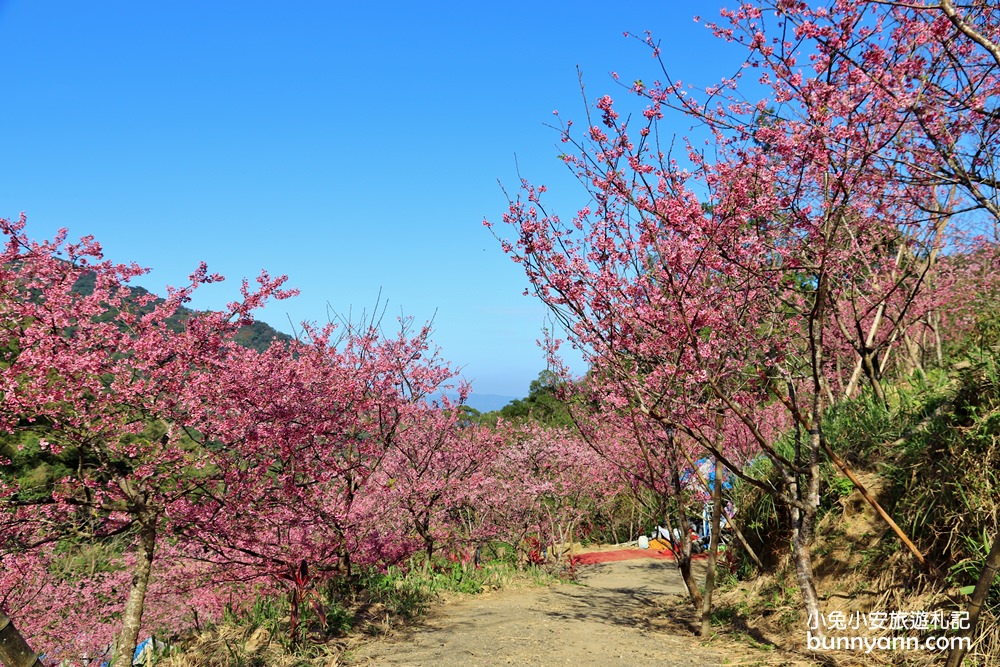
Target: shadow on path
column 604, row 620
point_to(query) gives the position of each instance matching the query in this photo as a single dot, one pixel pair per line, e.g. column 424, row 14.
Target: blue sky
column 356, row 147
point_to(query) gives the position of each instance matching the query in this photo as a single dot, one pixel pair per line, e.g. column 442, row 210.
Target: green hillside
column 257, row 336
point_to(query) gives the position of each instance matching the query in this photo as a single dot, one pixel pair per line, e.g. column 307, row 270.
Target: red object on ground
column 594, row 557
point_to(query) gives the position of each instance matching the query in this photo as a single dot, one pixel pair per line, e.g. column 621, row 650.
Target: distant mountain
column 257, row 336
column 488, row 402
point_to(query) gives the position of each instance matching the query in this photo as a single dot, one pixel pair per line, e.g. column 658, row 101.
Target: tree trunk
column 938, row 352
column 804, row 571
column 132, row 616
column 424, row 529
column 293, row 616
column 914, row 352
column 684, row 565
column 990, row 568
column 874, row 379
column 804, row 520
column 713, row 552
column 684, row 557
column 804, row 516
column 14, row 650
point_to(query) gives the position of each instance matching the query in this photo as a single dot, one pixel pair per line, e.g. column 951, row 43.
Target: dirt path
column 604, row 620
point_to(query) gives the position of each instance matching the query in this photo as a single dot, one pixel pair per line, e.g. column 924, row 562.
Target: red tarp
column 594, row 557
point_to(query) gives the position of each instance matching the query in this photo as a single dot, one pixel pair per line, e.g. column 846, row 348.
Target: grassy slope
column 933, row 461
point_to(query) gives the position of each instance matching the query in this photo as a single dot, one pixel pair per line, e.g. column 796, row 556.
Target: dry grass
column 234, row 646
column 859, row 568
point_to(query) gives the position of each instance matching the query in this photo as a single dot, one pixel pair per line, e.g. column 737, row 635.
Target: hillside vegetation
column 256, row 335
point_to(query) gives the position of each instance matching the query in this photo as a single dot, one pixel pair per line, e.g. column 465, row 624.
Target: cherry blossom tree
column 437, row 471
column 544, row 482
column 733, row 278
column 87, row 375
column 341, row 454
column 192, row 470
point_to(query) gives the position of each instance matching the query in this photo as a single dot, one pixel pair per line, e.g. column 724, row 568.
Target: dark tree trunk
column 14, row 650
column 684, row 557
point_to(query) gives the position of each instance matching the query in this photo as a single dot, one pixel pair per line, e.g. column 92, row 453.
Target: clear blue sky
column 354, row 146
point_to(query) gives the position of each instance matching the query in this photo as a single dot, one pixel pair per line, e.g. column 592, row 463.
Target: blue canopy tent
column 692, row 478
column 705, row 469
